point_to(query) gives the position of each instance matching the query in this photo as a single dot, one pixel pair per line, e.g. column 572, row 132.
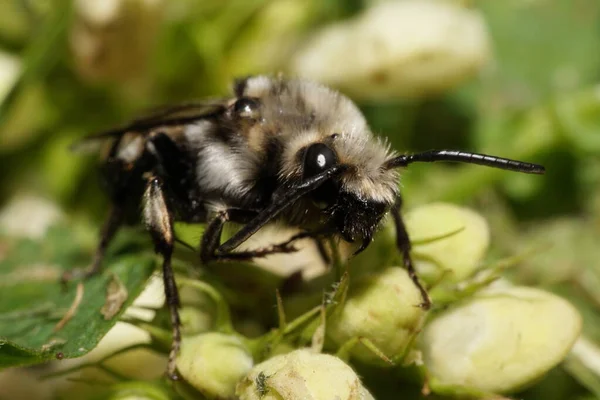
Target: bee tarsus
column 404, row 246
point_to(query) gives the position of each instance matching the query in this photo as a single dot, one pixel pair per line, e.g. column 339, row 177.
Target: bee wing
column 159, row 117
column 178, row 114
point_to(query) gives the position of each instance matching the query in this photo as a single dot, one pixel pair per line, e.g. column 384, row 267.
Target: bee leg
column 284, row 198
column 210, row 251
column 159, row 223
column 212, row 237
column 403, row 244
column 322, row 251
column 109, row 229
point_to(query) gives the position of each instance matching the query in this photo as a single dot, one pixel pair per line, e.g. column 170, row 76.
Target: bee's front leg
column 404, row 246
column 159, row 222
column 283, row 198
column 210, row 248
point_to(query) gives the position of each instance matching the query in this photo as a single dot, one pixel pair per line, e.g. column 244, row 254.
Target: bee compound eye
column 317, row 158
column 246, row 107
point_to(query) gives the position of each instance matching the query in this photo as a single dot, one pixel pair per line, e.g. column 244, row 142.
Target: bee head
column 354, row 202
column 316, row 129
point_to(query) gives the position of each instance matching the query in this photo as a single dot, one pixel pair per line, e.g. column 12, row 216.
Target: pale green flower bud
column 10, row 70
column 382, row 308
column 121, row 336
column 410, row 48
column 500, row 340
column 460, row 252
column 214, row 363
column 138, row 391
column 302, row 374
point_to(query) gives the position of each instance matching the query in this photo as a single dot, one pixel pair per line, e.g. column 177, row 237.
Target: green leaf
column 40, row 319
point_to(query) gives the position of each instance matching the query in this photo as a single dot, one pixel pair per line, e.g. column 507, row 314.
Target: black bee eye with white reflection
column 318, row 158
column 246, row 107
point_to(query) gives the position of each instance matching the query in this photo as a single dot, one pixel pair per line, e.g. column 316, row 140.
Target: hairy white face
column 303, row 113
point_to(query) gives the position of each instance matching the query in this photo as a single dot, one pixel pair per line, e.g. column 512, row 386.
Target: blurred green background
column 529, row 90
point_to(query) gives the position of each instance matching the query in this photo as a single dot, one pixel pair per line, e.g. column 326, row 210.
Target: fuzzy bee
column 282, row 150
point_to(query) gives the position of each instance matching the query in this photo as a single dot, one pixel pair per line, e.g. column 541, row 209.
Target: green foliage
column 35, row 322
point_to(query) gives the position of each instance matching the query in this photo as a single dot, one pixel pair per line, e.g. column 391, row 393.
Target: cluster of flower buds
column 479, row 339
column 490, row 338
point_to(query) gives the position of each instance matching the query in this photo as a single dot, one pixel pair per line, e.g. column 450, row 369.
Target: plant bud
column 500, row 340
column 460, row 252
column 121, row 336
column 383, row 308
column 302, row 374
column 411, row 48
column 139, row 390
column 214, row 363
column 10, row 70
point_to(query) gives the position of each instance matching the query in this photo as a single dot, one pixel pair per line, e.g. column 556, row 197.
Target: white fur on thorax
column 221, row 168
column 131, row 147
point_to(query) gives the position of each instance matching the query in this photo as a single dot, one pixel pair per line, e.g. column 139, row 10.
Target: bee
column 286, row 150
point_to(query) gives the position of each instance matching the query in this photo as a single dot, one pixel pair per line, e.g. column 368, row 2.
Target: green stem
column 223, row 317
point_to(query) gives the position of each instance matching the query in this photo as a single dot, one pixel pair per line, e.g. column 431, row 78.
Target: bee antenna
column 465, row 157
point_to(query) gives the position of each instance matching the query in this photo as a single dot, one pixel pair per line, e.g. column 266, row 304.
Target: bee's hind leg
column 109, row 229
column 159, row 222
